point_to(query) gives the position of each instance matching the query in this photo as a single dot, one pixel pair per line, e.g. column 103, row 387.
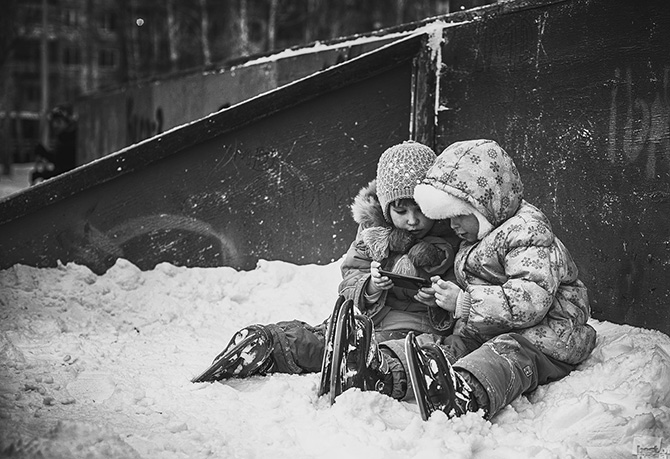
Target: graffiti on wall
column 639, row 125
column 148, row 240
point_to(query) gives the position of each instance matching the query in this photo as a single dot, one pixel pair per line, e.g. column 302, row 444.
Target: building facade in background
column 53, row 51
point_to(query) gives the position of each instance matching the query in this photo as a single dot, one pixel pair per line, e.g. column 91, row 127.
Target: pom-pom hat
column 399, row 170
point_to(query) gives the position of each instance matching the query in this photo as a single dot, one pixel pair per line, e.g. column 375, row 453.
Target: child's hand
column 426, row 295
column 377, row 281
column 446, row 293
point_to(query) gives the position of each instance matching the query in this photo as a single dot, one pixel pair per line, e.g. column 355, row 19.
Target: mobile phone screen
column 409, row 282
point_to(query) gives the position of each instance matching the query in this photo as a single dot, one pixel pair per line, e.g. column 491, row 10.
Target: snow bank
column 99, row 366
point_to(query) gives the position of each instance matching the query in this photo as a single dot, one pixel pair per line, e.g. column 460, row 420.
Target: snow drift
column 99, row 366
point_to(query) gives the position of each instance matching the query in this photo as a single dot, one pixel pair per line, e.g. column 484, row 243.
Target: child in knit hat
column 393, row 234
column 396, row 236
column 521, row 309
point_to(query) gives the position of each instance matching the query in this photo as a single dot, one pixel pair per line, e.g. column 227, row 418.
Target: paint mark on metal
column 641, row 131
column 541, row 23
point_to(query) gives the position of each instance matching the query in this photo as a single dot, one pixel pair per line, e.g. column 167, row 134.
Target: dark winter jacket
column 397, row 251
column 64, row 153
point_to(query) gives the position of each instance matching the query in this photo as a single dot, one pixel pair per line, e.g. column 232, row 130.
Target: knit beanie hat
column 401, row 168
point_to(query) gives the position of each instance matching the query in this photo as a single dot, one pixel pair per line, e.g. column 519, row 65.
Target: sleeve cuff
column 463, row 303
column 369, row 299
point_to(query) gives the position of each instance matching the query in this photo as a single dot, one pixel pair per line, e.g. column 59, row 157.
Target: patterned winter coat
column 519, row 277
column 397, row 251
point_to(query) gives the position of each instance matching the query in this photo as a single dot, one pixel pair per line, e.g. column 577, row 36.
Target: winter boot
column 248, row 353
column 357, row 360
column 436, row 385
column 326, row 363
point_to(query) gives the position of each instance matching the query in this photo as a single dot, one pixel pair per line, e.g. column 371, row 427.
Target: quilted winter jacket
column 519, row 277
column 378, row 240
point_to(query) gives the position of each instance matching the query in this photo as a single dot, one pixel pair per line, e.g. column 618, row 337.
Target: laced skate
column 436, row 385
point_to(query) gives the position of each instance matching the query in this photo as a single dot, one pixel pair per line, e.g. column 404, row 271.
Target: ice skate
column 357, row 360
column 248, row 353
column 324, row 384
column 436, row 385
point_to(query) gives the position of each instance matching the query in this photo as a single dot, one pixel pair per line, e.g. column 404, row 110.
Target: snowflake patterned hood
column 472, row 177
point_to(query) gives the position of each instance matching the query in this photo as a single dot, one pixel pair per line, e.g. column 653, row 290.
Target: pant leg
column 298, row 346
column 508, row 366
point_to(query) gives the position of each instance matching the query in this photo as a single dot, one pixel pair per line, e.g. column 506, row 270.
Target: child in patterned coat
column 521, row 310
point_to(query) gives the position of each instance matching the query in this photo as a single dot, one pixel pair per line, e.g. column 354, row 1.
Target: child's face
column 406, row 214
column 466, row 227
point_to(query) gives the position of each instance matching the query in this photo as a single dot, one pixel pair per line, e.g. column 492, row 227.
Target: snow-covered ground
column 100, row 366
column 17, row 180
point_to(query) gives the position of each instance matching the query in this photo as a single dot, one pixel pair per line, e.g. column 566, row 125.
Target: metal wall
column 113, row 120
column 578, row 93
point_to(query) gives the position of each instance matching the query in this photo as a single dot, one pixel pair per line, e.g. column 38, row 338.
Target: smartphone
column 409, row 282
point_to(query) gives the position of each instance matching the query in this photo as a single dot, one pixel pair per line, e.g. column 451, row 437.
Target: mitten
column 400, row 240
column 374, row 242
column 404, row 265
column 425, row 254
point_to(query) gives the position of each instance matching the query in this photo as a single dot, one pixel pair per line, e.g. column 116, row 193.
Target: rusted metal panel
column 578, row 92
column 115, row 119
column 269, row 178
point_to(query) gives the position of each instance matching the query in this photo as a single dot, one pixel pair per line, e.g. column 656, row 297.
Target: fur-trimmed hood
column 398, row 251
column 366, row 208
column 377, row 239
column 474, row 174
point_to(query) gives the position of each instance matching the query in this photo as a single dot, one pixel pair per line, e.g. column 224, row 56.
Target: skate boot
column 357, row 360
column 436, row 385
column 248, row 353
column 326, row 363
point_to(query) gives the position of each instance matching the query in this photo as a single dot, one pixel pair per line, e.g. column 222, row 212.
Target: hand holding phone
column 404, row 281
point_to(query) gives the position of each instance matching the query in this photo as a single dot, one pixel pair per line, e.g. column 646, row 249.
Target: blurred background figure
column 61, row 155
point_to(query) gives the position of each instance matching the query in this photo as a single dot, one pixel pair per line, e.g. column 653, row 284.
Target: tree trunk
column 7, row 92
column 88, row 55
column 172, row 36
column 272, row 25
column 125, row 47
column 204, row 33
column 133, row 45
column 312, row 22
column 400, row 11
column 244, row 28
column 44, row 74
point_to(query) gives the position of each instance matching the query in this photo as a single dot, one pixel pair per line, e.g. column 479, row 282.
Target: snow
column 100, row 366
column 433, row 29
column 17, row 180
